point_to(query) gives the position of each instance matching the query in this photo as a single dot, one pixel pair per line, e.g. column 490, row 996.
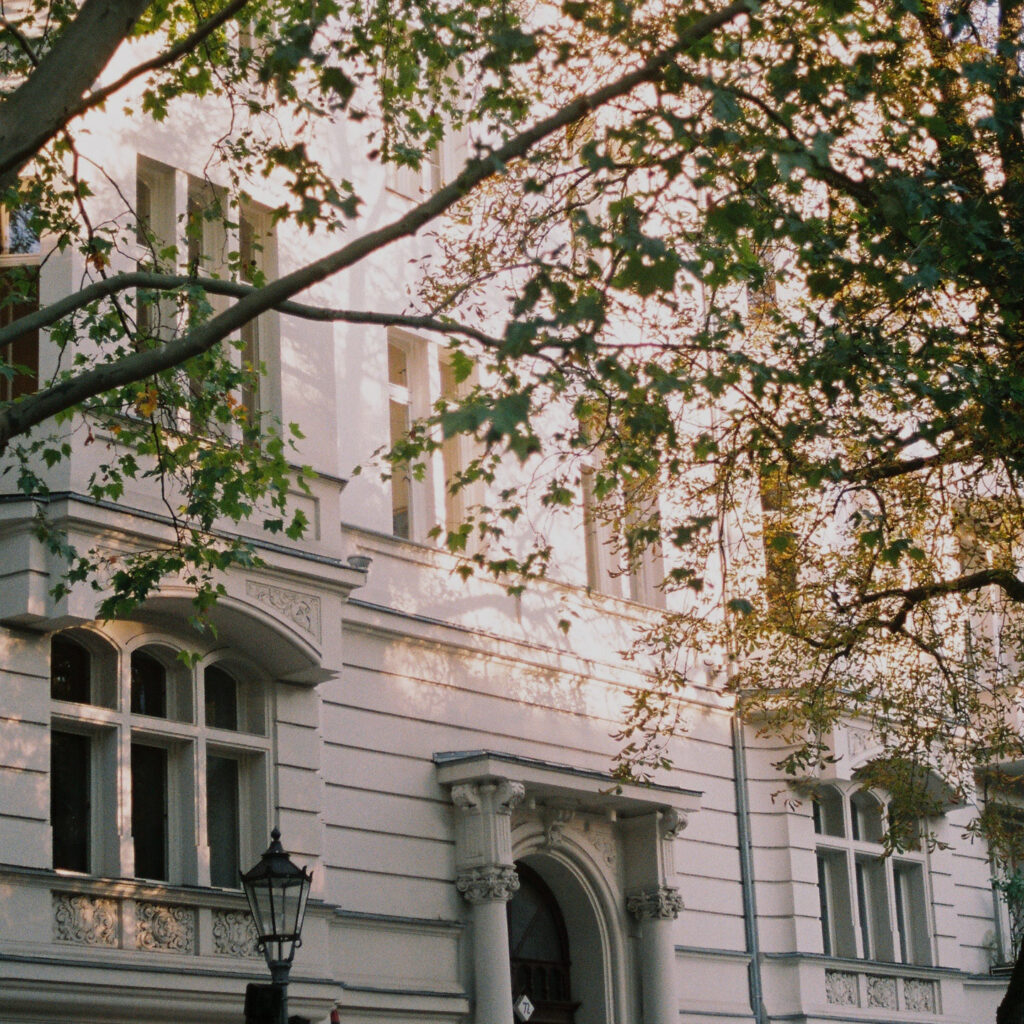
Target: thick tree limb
column 35, row 409
column 161, row 60
column 912, row 596
column 49, row 315
column 43, row 105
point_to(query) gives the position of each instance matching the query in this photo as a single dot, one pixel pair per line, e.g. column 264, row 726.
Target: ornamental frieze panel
column 87, row 920
column 234, row 933
column 165, row 929
column 841, row 988
column 919, row 995
column 301, row 610
column 881, row 991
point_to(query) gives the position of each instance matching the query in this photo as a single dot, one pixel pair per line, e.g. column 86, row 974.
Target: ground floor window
column 178, row 749
column 872, row 907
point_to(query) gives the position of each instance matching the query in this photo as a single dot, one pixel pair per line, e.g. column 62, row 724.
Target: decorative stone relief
column 479, row 885
column 919, row 995
column 604, row 843
column 881, row 991
column 90, row 920
column 234, row 933
column 841, row 988
column 554, row 818
column 672, row 824
column 663, row 902
column 301, row 610
column 859, row 740
column 165, row 929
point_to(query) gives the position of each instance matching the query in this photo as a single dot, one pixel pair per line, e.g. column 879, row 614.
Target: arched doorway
column 539, row 950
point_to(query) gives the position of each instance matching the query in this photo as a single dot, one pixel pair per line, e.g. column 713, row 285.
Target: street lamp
column 277, row 891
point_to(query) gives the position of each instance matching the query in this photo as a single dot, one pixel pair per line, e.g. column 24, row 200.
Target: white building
column 437, row 752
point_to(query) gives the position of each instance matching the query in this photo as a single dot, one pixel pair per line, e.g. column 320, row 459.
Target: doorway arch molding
column 593, row 906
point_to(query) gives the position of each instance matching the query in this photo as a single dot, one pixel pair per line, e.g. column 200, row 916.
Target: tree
column 778, row 287
column 759, row 258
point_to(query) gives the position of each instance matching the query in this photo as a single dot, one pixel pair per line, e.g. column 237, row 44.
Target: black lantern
column 277, row 891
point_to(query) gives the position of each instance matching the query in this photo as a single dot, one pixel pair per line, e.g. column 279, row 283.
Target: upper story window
column 438, row 166
column 19, row 296
column 872, row 907
column 184, row 224
column 180, row 754
column 418, row 376
column 612, row 568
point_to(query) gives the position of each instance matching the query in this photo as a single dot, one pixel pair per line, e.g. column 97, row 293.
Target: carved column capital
column 663, row 903
column 672, row 824
column 479, row 885
column 499, row 796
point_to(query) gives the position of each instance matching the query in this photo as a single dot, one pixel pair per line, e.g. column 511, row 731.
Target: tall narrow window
column 249, row 271
column 155, row 317
column 451, row 456
column 221, row 699
column 149, row 811
column 222, row 822
column 70, row 800
column 257, row 260
column 19, row 296
column 70, row 671
column 149, row 686
column 400, row 419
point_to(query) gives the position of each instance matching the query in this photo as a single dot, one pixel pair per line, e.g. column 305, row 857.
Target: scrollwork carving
column 234, row 933
column 301, row 610
column 881, row 991
column 480, row 885
column 89, row 920
column 663, row 902
column 841, row 988
column 672, row 824
column 165, row 929
column 919, row 995
column 554, row 818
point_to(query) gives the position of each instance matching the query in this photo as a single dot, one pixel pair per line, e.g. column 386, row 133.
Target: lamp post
column 277, row 891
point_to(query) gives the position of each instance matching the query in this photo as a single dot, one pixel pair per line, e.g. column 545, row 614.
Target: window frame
column 860, row 916
column 114, row 730
column 25, row 349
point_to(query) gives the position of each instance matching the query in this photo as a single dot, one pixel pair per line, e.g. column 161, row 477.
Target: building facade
column 437, row 751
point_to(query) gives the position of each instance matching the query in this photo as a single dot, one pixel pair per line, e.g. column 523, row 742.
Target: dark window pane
column 222, row 820
column 149, row 811
column 149, row 686
column 70, row 776
column 22, row 239
column 826, row 922
column 19, row 296
column 221, row 699
column 69, row 671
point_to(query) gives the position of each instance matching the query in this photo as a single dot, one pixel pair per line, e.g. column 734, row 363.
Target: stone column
column 487, row 880
column 656, row 909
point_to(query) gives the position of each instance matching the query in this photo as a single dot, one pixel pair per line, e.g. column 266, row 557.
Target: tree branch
column 16, row 419
column 46, row 316
column 913, row 596
column 180, row 49
column 44, row 103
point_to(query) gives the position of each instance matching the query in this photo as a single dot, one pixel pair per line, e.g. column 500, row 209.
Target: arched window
column 872, row 906
column 181, row 753
column 539, row 949
column 70, row 671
